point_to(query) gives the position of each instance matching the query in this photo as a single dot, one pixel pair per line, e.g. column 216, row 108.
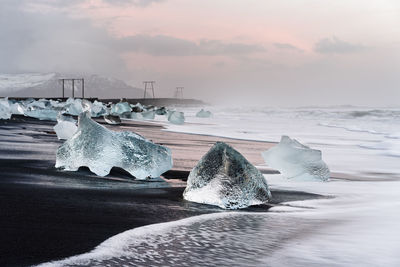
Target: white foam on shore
column 118, row 245
column 357, row 227
column 348, row 137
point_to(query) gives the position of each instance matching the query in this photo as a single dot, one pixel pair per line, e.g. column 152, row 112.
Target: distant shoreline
column 143, row 101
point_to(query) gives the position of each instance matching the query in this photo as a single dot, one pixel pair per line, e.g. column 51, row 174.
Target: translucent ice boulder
column 295, row 160
column 5, row 110
column 203, row 114
column 100, row 149
column 65, row 127
column 224, row 178
column 176, row 117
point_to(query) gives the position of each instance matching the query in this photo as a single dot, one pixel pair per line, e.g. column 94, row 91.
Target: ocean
column 355, row 225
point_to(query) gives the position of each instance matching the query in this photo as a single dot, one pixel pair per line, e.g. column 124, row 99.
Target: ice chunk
column 224, row 178
column 203, row 114
column 120, row 108
column 65, row 127
column 176, row 117
column 100, row 149
column 295, row 160
column 41, row 114
column 74, row 106
column 98, row 109
column 161, row 111
column 5, row 110
column 114, row 120
column 148, row 115
column 137, row 108
column 17, row 108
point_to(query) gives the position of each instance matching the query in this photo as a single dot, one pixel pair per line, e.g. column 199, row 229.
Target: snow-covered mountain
column 48, row 85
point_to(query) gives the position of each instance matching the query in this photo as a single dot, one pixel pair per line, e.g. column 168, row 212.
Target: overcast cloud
column 218, row 50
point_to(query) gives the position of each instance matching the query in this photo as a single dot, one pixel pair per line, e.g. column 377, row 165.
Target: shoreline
column 49, row 214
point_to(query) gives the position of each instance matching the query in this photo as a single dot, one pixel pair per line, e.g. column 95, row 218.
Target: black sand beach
column 47, row 214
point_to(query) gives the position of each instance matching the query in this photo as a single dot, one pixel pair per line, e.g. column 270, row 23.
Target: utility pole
column 148, row 85
column 81, row 80
column 179, row 92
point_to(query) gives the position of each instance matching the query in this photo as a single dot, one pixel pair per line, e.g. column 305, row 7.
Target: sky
column 282, row 53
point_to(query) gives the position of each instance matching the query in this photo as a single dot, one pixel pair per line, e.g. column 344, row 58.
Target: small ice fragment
column 203, row 114
column 65, row 127
column 100, row 149
column 148, row 115
column 176, row 117
column 41, row 114
column 5, row 109
column 120, row 108
column 224, row 178
column 161, row 111
column 98, row 109
column 137, row 108
column 113, row 120
column 295, row 160
column 74, row 106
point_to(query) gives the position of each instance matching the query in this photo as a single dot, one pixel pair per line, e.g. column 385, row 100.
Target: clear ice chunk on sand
column 65, row 127
column 100, row 149
column 203, row 114
column 176, row 117
column 295, row 160
column 224, row 178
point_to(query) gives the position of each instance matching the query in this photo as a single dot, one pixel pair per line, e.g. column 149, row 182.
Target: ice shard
column 100, row 149
column 65, row 127
column 203, row 114
column 176, row 117
column 224, row 178
column 295, row 160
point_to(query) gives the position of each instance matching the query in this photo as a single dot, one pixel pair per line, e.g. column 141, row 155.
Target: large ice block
column 295, row 160
column 100, row 149
column 65, row 127
column 176, row 117
column 224, row 178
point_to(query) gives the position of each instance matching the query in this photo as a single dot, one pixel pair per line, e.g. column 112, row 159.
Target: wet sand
column 47, row 214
